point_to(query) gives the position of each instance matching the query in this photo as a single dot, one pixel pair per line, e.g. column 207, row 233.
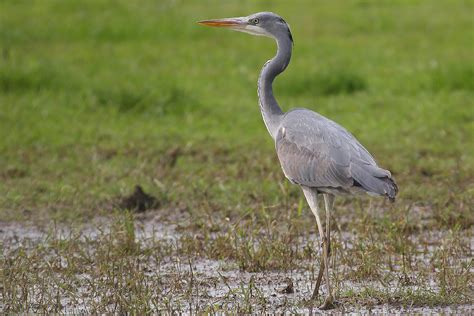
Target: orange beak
column 230, row 22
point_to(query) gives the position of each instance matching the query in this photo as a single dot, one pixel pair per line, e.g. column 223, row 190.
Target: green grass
column 99, row 96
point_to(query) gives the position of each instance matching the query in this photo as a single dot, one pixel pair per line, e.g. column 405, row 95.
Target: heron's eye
column 255, row 21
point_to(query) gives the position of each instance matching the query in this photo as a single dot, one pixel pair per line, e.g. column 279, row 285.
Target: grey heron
column 316, row 153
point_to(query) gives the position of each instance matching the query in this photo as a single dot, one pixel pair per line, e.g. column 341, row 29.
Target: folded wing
column 317, row 152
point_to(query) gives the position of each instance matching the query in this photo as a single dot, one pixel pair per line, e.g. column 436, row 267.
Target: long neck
column 269, row 107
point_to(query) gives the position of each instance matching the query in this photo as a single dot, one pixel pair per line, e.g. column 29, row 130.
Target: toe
column 328, row 303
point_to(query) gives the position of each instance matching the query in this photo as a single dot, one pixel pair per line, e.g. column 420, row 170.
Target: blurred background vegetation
column 97, row 96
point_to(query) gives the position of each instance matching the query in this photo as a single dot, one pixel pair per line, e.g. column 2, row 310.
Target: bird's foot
column 328, row 303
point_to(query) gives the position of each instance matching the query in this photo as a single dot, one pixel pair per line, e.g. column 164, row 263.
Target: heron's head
column 261, row 24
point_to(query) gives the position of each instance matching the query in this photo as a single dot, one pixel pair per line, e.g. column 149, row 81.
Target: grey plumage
column 318, row 153
column 314, row 152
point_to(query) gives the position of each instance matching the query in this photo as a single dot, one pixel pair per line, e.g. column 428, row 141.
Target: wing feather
column 317, row 152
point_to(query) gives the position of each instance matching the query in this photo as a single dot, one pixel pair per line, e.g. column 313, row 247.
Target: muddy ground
column 195, row 283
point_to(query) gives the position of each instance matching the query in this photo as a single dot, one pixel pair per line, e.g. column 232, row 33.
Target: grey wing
column 317, row 152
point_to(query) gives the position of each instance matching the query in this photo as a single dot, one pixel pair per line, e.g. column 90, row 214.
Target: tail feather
column 375, row 180
column 391, row 188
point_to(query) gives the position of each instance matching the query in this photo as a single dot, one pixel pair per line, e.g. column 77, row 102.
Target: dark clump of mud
column 139, row 201
column 289, row 289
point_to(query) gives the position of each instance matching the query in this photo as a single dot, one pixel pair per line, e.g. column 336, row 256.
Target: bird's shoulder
column 312, row 133
column 307, row 128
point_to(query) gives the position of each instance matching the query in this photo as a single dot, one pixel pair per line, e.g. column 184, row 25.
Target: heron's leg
column 318, row 281
column 312, row 199
column 328, row 202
